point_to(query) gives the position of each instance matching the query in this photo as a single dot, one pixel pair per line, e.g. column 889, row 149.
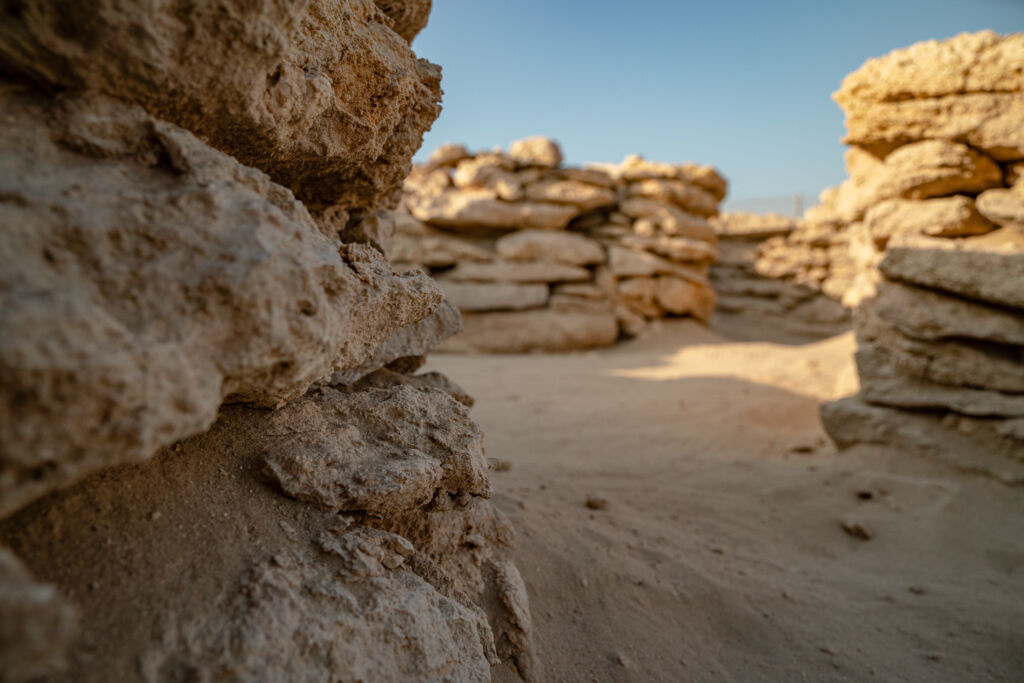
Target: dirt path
column 721, row 554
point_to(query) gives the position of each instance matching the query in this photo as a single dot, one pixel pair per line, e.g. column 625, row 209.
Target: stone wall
column 217, row 460
column 936, row 135
column 540, row 257
column 933, row 220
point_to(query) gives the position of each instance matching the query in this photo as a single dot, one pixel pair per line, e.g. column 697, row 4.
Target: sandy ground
column 721, row 554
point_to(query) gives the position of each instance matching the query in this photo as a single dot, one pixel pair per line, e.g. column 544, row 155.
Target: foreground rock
column 506, row 232
column 214, row 452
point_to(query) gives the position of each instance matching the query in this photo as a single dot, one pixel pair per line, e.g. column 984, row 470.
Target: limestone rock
column 967, row 88
column 924, row 314
column 743, row 224
column 691, row 198
column 408, row 17
column 957, row 363
column 495, row 296
column 324, row 97
column 540, row 330
column 989, row 268
column 490, row 172
column 518, row 271
column 680, row 249
column 635, row 167
column 573, row 192
column 414, row 339
column 125, row 331
column 436, row 249
column 559, row 247
column 1005, row 207
column 480, row 209
column 536, row 151
column 629, row 263
column 36, row 624
column 941, row 217
column 671, row 219
column 683, row 297
column 448, row 154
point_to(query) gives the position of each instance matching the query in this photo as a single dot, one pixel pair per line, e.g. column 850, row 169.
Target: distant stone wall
column 937, row 136
column 539, row 257
column 930, row 227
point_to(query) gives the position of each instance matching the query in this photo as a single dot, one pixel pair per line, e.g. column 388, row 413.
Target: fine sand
column 725, row 539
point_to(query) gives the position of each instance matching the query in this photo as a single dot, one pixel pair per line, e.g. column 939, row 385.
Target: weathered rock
column 679, row 249
column 541, row 330
column 536, row 151
column 518, row 271
column 125, row 331
column 480, row 209
column 683, row 297
column 941, row 217
column 324, row 97
column 580, row 304
column 491, row 172
column 629, row 263
column 1005, row 207
column 391, row 590
column 408, row 17
column 967, row 88
column 573, row 192
column 436, row 249
column 414, row 339
column 988, row 268
column 448, row 154
column 743, row 224
column 924, row 314
column 36, row 624
column 688, row 197
column 981, row 448
column 635, row 167
column 957, row 363
column 495, row 296
column 671, row 219
column 559, row 247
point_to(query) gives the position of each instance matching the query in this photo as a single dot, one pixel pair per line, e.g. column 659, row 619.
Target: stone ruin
column 932, row 224
column 936, row 135
column 540, row 257
column 217, row 460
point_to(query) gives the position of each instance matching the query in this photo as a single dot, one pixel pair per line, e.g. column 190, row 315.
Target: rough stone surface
column 989, row 268
column 560, row 247
column 323, row 96
column 924, row 314
column 480, row 209
column 536, row 151
column 541, row 330
column 953, row 216
column 967, row 88
column 408, row 17
column 1005, row 207
column 684, row 297
column 389, row 590
column 126, row 331
column 752, row 225
column 518, row 271
column 495, row 296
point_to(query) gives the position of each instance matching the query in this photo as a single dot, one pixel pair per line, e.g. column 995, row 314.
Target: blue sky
column 742, row 85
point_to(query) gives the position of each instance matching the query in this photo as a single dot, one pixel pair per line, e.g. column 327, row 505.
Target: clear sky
column 741, row 84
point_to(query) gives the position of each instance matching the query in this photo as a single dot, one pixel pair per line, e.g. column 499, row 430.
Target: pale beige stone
column 691, row 198
column 494, row 296
column 559, row 247
column 1005, row 207
column 427, row 180
column 538, row 330
column 669, row 218
column 989, row 268
column 925, row 314
column 489, row 172
column 623, row 262
column 448, row 154
column 591, row 176
column 573, row 192
column 940, row 217
column 747, row 225
column 518, row 271
column 436, row 250
column 480, row 209
column 680, row 249
column 585, row 290
column 536, row 151
column 681, row 297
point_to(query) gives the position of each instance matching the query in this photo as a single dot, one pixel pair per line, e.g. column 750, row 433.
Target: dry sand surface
column 725, row 539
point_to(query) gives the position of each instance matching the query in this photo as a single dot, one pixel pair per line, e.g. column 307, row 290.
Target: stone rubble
column 217, row 461
column 541, row 257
